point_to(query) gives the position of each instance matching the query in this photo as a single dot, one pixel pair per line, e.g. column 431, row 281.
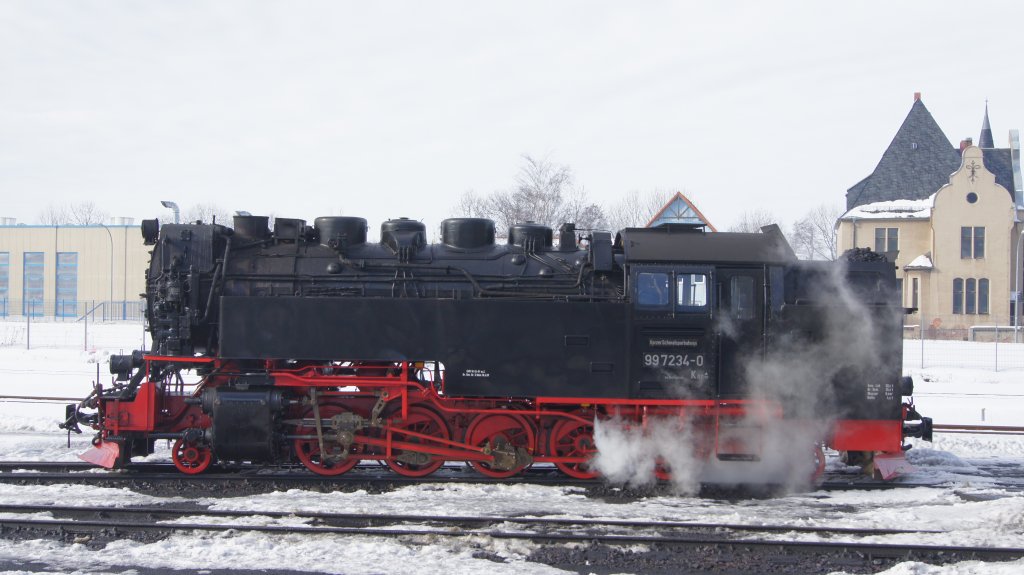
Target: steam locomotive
column 310, row 344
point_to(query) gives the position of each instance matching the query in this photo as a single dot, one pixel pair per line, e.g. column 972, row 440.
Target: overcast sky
column 387, row 109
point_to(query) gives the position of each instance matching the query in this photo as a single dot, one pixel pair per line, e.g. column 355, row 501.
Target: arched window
column 958, row 295
column 971, row 297
column 983, row 295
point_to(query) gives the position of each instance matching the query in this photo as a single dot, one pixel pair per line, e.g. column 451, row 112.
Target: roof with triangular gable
column 917, row 162
column 680, row 210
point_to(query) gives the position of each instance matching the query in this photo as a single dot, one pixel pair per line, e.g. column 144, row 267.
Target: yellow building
column 956, row 248
column 64, row 272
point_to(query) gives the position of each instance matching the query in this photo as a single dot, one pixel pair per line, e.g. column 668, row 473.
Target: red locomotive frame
column 338, row 414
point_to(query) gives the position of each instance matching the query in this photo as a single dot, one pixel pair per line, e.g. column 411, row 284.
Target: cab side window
column 741, row 297
column 691, row 292
column 652, row 290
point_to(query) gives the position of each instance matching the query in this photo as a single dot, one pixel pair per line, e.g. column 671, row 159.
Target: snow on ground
column 976, row 498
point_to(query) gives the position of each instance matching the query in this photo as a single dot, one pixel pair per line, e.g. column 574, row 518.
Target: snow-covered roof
column 921, row 262
column 893, row 209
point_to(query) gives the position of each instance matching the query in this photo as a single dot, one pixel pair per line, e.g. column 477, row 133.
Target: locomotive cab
column 673, row 342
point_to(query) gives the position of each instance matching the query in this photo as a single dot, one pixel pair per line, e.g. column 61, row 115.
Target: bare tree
column 208, row 213
column 81, row 214
column 751, row 221
column 814, row 235
column 577, row 208
column 544, row 192
column 470, row 205
column 636, row 209
column 53, row 215
column 86, row 213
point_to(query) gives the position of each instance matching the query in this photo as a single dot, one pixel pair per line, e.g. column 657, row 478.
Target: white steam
column 799, row 371
column 630, row 453
column 793, row 381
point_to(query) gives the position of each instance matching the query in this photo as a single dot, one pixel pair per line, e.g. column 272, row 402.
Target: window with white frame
column 887, row 239
column 972, row 242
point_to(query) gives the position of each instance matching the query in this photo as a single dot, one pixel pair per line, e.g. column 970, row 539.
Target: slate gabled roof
column 917, row 162
column 998, row 161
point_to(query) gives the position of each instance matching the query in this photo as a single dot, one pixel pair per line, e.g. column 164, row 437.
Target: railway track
column 97, row 525
column 153, row 515
column 249, row 479
column 978, row 429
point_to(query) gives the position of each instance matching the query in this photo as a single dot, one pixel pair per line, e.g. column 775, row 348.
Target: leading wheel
column 508, row 439
column 575, row 439
column 334, row 458
column 191, row 457
column 424, row 421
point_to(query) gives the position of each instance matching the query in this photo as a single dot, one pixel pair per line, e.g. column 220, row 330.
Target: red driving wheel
column 572, row 438
column 505, row 434
column 424, row 421
column 333, row 460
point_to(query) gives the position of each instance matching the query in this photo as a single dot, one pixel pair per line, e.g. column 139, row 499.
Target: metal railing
column 72, row 310
column 35, row 329
column 995, row 345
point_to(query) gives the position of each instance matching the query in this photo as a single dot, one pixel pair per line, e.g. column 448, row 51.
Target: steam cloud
column 797, row 375
column 629, row 453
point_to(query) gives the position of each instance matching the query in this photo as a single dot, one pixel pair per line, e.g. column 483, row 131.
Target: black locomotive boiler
column 312, row 344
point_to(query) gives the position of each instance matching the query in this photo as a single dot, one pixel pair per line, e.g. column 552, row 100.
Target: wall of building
column 992, row 209
column 110, row 263
column 970, row 199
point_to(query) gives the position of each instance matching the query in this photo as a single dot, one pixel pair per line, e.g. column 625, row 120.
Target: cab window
column 691, row 292
column 652, row 290
column 741, row 297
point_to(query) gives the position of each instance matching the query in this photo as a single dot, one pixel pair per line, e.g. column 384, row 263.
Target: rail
column 980, row 429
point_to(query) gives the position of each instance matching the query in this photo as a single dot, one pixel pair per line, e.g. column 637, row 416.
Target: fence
column 992, row 347
column 99, row 327
column 72, row 310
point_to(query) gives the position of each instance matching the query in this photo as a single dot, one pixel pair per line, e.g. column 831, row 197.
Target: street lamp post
column 110, row 236
column 173, row 207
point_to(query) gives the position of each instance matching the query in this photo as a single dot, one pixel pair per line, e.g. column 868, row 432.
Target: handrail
column 91, row 311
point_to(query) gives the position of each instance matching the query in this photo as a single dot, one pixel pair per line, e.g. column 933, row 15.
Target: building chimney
column 965, row 143
column 917, row 96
